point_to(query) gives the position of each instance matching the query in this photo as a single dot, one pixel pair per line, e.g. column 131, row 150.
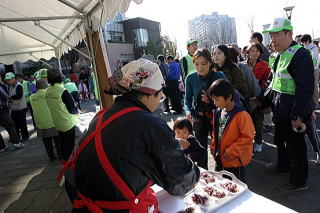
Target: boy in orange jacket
column 233, row 131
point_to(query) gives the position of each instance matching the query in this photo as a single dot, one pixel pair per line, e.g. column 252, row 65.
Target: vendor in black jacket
column 290, row 96
column 135, row 150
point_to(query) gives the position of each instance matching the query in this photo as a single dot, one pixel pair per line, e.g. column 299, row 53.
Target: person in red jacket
column 259, row 67
column 233, row 131
column 261, row 71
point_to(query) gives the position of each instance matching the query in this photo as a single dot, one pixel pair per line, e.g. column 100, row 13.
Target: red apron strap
column 106, row 165
column 95, row 206
column 99, row 127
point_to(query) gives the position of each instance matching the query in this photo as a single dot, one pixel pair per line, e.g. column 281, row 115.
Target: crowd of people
column 230, row 94
column 53, row 101
column 274, row 84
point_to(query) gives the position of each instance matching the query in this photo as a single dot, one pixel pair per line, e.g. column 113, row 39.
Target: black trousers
column 7, row 123
column 174, row 95
column 49, row 147
column 20, row 122
column 166, row 99
column 292, row 152
column 257, row 118
column 67, row 140
column 31, row 113
column 202, row 128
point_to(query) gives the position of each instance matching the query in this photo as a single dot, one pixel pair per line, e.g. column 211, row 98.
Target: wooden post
column 103, row 70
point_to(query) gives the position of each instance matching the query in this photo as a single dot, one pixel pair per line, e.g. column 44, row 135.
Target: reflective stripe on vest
column 282, row 80
column 17, row 104
column 62, row 119
column 41, row 112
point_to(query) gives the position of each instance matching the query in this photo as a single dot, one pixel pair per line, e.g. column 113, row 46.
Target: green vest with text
column 26, row 90
column 71, row 87
column 282, row 81
column 41, row 112
column 190, row 64
column 62, row 119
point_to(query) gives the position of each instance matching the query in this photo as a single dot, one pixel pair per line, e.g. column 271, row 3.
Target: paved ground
column 27, row 178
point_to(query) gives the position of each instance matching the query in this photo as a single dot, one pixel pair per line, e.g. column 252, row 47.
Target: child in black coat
column 183, row 129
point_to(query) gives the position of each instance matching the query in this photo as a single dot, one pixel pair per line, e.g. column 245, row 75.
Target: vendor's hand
column 204, row 97
column 183, row 143
column 226, row 156
column 255, row 102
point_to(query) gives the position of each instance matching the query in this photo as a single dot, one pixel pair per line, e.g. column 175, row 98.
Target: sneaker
column 289, row 187
column 318, row 159
column 276, row 171
column 18, row 145
column 257, row 148
column 4, row 149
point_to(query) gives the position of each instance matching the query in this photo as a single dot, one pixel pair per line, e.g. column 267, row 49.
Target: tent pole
column 99, row 64
column 39, row 18
column 59, row 62
column 35, row 51
column 65, row 2
column 43, row 28
column 89, row 35
column 42, row 61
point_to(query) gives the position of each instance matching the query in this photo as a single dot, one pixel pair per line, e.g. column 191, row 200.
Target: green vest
column 41, row 112
column 95, row 86
column 71, row 87
column 190, row 64
column 282, row 81
column 26, row 90
column 62, row 119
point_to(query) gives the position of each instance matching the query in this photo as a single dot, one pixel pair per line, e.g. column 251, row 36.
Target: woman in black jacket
column 129, row 148
column 223, row 62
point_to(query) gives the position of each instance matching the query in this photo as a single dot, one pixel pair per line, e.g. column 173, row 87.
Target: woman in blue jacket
column 197, row 110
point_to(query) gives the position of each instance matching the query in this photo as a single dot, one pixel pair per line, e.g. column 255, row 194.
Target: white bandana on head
column 141, row 75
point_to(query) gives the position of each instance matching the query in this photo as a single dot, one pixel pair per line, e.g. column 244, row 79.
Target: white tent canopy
column 48, row 28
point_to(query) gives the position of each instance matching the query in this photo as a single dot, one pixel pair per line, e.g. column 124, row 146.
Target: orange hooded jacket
column 237, row 138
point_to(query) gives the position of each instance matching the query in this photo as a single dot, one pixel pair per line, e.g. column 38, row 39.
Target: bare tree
column 222, row 33
column 251, row 24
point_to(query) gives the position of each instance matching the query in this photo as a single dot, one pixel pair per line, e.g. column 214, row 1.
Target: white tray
column 173, row 204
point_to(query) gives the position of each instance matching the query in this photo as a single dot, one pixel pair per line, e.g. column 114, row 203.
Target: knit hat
column 67, row 80
column 41, row 84
column 140, row 75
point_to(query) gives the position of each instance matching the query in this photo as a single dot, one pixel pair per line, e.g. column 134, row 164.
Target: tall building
column 126, row 39
column 213, row 29
column 266, row 38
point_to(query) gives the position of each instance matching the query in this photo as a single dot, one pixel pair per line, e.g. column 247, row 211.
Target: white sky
column 174, row 15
